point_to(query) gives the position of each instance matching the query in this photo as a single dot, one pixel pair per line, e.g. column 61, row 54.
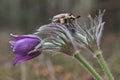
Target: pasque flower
column 89, row 34
column 25, row 47
column 65, row 35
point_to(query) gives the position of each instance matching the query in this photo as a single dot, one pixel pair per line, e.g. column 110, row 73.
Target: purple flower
column 25, row 47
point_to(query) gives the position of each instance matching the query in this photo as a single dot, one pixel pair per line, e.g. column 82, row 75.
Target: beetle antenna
column 78, row 16
column 50, row 19
column 70, row 14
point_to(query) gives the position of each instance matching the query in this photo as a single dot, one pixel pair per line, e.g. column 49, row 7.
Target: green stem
column 87, row 66
column 104, row 65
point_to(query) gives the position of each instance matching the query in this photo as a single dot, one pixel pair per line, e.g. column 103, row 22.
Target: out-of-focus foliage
column 25, row 16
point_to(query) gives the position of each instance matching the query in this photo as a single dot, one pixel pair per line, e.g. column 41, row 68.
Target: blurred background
column 25, row 16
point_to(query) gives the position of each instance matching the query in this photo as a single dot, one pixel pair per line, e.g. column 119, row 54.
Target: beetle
column 64, row 18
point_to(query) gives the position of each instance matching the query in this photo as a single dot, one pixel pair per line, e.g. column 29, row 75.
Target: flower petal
column 18, row 37
column 13, row 43
column 21, row 58
column 24, row 46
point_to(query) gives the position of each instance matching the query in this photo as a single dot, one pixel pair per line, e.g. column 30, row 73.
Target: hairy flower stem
column 104, row 65
column 87, row 66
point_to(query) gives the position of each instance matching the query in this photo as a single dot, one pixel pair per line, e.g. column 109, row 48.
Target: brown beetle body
column 64, row 18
